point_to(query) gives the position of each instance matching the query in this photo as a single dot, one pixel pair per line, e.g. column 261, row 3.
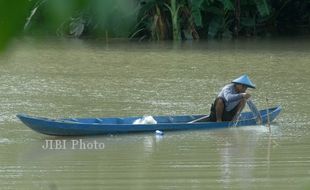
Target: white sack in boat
column 145, row 120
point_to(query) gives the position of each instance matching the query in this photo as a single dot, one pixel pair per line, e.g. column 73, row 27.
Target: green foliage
column 153, row 19
column 228, row 5
column 174, row 9
column 166, row 19
column 221, row 17
column 117, row 17
column 262, row 7
column 215, row 18
column 76, row 18
column 12, row 18
column 197, row 6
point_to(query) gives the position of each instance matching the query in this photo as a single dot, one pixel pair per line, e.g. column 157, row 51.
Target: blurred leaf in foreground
column 13, row 15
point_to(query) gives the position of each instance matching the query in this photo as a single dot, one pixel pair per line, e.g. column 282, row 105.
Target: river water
column 82, row 78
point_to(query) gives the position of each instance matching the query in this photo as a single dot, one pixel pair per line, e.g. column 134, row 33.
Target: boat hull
column 101, row 126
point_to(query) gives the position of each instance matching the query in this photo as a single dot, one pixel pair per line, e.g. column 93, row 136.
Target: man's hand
column 246, row 95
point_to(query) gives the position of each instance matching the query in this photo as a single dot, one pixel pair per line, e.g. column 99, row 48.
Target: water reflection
column 238, row 163
column 151, row 142
column 195, row 156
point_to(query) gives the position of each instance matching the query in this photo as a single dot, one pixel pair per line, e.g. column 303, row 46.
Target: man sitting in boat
column 230, row 101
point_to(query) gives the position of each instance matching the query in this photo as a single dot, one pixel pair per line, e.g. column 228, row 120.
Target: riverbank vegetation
column 155, row 19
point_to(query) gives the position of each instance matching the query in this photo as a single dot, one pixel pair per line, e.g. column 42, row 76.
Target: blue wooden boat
column 112, row 125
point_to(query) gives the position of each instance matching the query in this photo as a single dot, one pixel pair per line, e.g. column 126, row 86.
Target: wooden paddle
column 199, row 119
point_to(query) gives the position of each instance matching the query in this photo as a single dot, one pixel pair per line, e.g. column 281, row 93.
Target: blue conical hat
column 245, row 80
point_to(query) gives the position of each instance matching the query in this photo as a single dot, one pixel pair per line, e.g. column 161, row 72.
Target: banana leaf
column 262, row 7
column 197, row 6
column 228, row 5
column 215, row 26
column 196, row 12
